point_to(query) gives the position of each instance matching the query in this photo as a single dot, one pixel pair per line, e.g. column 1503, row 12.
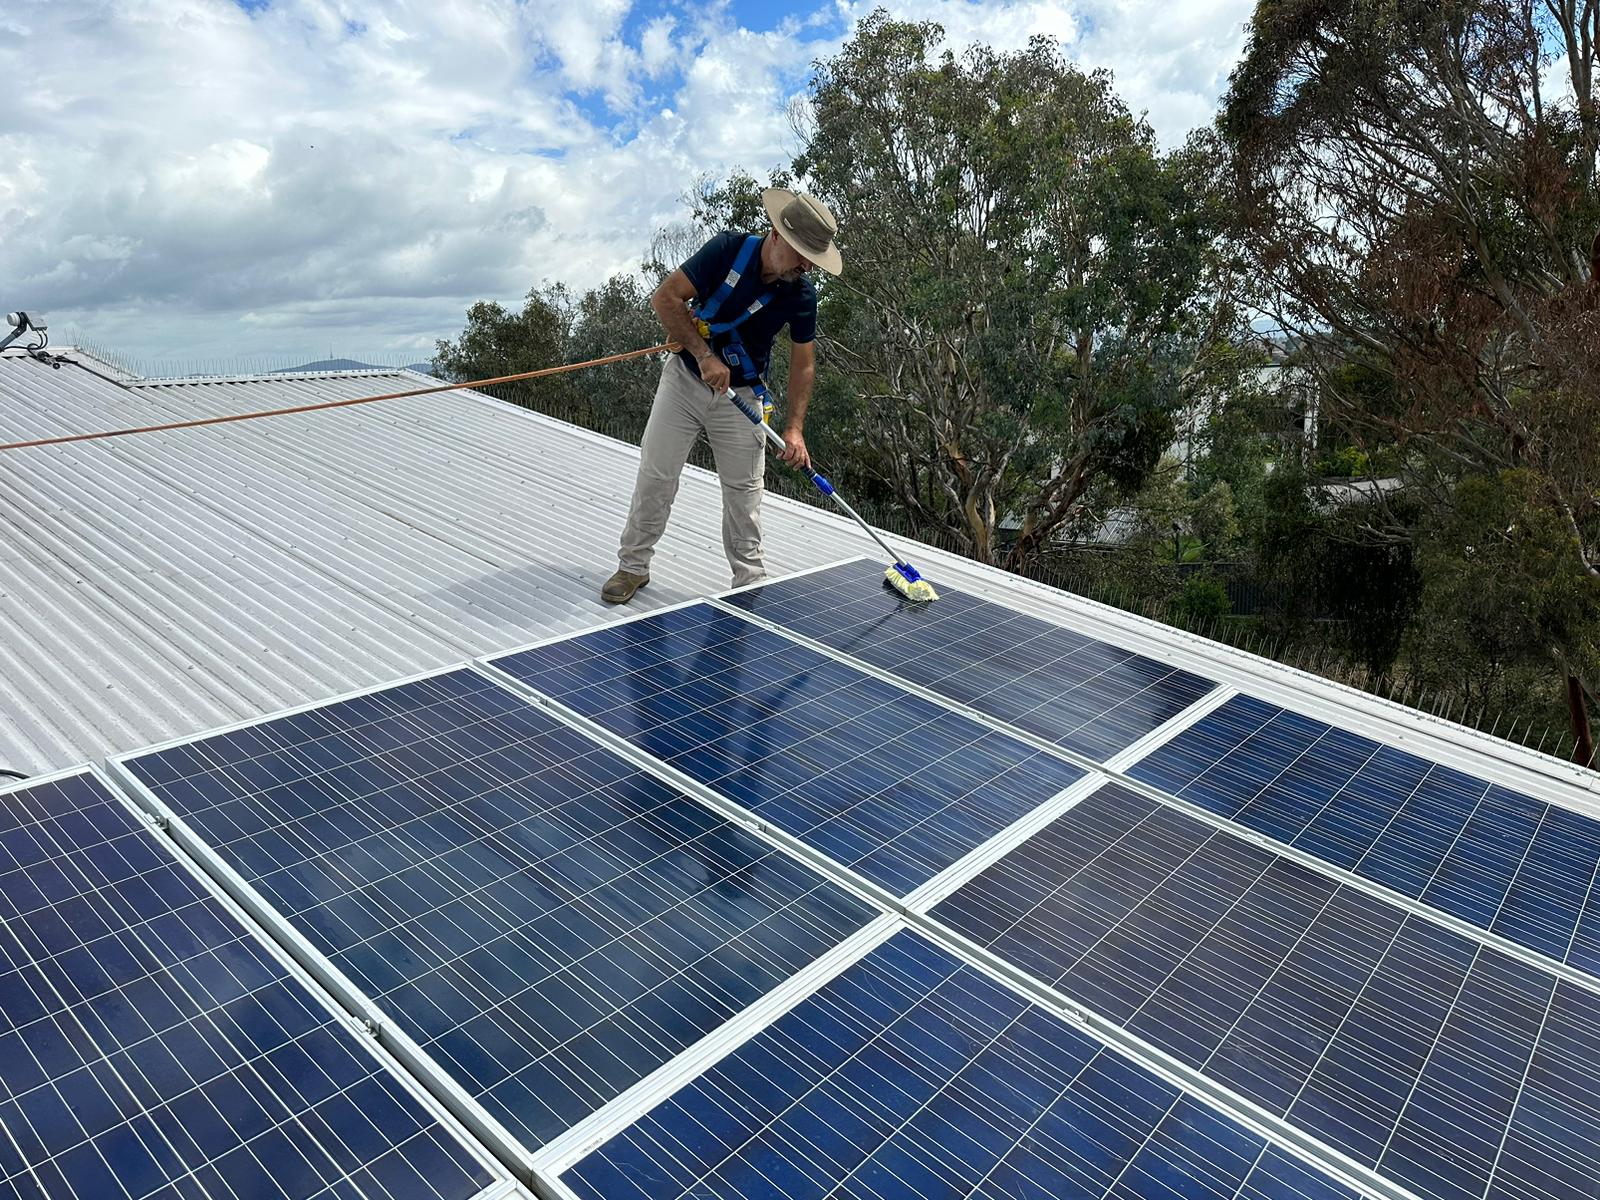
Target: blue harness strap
column 708, row 311
column 733, row 351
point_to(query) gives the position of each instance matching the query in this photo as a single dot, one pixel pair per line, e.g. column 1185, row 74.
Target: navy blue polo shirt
column 792, row 304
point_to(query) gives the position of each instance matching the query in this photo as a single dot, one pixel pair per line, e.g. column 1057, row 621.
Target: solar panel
column 1077, row 692
column 549, row 923
column 1446, row 1065
column 884, row 782
column 911, row 1076
column 1495, row 858
column 152, row 1047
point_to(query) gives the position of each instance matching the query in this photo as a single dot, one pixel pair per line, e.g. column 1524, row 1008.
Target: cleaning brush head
column 903, row 578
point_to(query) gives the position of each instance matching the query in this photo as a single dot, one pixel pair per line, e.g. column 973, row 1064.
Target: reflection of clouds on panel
column 165, row 170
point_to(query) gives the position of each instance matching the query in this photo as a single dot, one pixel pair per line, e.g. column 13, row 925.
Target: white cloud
column 188, row 178
column 1170, row 58
column 656, row 50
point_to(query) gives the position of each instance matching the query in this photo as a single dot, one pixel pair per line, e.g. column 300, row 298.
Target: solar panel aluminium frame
column 914, row 915
column 1495, row 759
column 566, row 1151
column 732, row 810
column 1242, row 1112
column 417, row 1064
column 155, row 825
column 1114, row 770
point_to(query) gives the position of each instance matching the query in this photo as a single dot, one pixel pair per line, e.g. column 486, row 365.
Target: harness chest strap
column 707, row 312
column 733, row 349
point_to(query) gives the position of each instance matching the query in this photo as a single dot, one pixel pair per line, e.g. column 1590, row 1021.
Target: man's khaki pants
column 682, row 408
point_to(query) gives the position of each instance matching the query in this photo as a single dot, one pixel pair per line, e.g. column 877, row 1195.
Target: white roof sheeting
column 156, row 586
column 161, row 584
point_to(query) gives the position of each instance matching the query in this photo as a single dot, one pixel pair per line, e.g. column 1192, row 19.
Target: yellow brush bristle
column 920, row 591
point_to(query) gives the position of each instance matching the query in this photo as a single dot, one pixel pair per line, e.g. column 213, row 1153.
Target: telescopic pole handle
column 820, row 481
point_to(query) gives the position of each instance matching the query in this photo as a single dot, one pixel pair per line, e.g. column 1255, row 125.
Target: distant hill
column 328, row 364
column 350, row 364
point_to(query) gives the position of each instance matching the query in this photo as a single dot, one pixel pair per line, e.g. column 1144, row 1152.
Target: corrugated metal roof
column 156, row 586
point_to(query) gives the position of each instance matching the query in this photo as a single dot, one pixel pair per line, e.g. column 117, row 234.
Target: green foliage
column 1215, row 521
column 1023, row 304
column 734, row 203
column 1202, row 600
column 1346, row 463
column 1417, row 188
column 554, row 327
column 1170, row 518
column 1332, row 563
column 1159, row 511
column 1234, row 447
column 1289, row 539
column 1504, row 588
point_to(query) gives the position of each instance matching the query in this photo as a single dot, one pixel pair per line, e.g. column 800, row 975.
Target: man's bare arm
column 670, row 302
column 802, row 374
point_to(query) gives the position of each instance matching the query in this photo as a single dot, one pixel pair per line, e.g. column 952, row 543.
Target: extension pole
column 821, row 483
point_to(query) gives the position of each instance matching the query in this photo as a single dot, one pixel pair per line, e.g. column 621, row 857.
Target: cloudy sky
column 199, row 179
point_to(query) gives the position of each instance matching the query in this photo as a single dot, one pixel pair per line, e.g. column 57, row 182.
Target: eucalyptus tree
column 1029, row 294
column 1415, row 191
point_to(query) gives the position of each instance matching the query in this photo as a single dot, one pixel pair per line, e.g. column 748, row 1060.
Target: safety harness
column 733, row 351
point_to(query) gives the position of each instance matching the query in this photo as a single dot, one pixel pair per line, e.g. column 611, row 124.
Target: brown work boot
column 619, row 589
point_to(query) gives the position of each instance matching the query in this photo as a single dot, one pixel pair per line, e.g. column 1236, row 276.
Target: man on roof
column 724, row 307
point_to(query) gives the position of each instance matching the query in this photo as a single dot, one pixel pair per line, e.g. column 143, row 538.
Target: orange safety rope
column 300, row 408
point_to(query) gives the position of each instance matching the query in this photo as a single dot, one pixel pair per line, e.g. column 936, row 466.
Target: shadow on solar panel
column 152, row 1047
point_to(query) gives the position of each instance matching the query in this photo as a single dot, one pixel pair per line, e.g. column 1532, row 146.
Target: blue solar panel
column 1082, row 694
column 911, row 1076
column 1451, row 1067
column 1497, row 859
column 150, row 1047
column 884, row 782
column 547, row 921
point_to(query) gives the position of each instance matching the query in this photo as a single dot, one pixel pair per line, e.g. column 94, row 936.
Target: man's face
column 788, row 261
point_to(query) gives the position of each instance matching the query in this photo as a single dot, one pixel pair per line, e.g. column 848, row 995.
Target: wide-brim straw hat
column 806, row 224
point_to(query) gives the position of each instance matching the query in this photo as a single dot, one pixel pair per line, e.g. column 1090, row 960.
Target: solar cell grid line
column 1438, row 1061
column 1513, row 865
column 544, row 921
column 1522, row 907
column 162, row 1144
column 913, row 1074
column 887, row 784
column 1073, row 690
column 153, row 1047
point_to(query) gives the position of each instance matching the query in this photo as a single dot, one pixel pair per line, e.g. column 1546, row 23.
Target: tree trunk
column 1583, row 752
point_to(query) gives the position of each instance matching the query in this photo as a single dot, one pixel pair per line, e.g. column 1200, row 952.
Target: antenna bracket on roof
column 22, row 323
